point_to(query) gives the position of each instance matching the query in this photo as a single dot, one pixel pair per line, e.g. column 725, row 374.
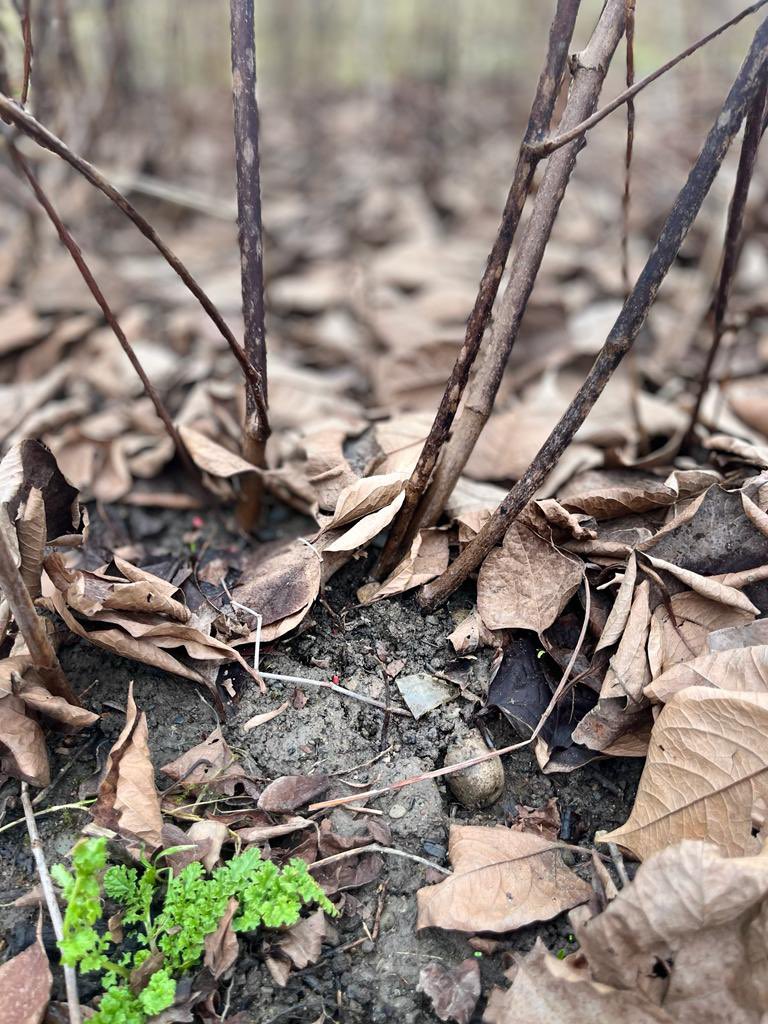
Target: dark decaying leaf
column 299, row 946
column 30, row 465
column 210, row 764
column 453, row 991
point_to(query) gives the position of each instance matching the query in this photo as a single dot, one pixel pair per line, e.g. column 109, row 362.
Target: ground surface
column 375, row 981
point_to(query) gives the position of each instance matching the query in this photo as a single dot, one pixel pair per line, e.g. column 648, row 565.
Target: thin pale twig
column 74, row 251
column 70, row 979
column 305, row 681
column 13, row 114
column 376, row 848
column 550, row 145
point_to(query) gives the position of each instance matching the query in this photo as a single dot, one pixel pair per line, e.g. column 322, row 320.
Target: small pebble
column 433, row 849
column 397, row 811
column 480, row 785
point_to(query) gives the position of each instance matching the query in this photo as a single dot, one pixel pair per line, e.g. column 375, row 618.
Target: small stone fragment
column 397, row 811
column 480, row 785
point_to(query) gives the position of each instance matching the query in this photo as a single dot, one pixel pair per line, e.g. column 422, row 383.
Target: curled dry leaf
column 501, row 880
column 25, row 983
column 619, row 613
column 673, row 640
column 302, row 942
column 525, row 583
column 706, row 586
column 548, row 989
column 706, row 774
column 221, row 947
column 471, row 634
column 427, row 559
column 453, row 991
column 613, row 493
column 128, row 802
column 212, row 457
column 628, row 670
column 743, row 668
column 210, row 764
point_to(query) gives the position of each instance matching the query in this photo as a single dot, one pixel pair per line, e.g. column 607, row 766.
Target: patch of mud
column 330, row 733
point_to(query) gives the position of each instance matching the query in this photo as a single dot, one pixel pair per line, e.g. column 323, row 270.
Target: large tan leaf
column 365, row 496
column 501, row 880
column 525, row 583
column 25, row 984
column 678, row 893
column 212, row 457
column 685, row 637
column 546, row 990
column 23, row 752
column 365, row 529
column 282, row 584
column 743, row 668
column 706, row 774
column 128, row 802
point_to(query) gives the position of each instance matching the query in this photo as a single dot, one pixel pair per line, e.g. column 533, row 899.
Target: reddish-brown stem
column 246, row 110
column 550, row 145
column 32, row 627
column 589, row 68
column 13, row 114
column 753, row 132
column 748, row 82
column 85, row 272
column 550, row 80
column 25, row 20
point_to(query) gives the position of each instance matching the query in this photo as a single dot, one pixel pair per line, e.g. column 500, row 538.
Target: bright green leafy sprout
column 172, row 915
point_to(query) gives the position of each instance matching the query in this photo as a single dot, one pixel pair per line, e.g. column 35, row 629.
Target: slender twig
column 753, row 131
column 626, row 328
column 13, row 114
column 256, row 427
column 471, row 762
column 589, row 68
column 25, row 20
column 85, row 272
column 32, row 626
column 303, row 681
column 70, row 978
column 625, row 199
column 547, row 91
column 550, row 145
column 375, row 848
column 82, row 805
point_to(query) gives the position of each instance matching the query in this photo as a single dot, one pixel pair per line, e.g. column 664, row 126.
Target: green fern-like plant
column 169, row 917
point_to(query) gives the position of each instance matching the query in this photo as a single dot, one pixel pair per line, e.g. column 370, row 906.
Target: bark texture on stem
column 13, row 114
column 548, row 88
column 32, row 626
column 246, row 110
column 590, row 67
column 748, row 82
column 753, row 132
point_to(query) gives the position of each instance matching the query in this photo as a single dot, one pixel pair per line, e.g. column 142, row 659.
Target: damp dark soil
column 327, row 732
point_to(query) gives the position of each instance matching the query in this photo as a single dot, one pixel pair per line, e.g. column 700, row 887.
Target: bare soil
column 375, row 981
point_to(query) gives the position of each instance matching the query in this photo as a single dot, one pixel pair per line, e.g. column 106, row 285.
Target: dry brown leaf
column 290, row 792
column 754, row 454
column 684, row 907
column 685, row 637
column 427, row 559
column 302, row 942
column 25, row 983
column 628, row 670
column 265, row 717
column 546, row 990
column 501, row 880
column 31, row 531
column 525, row 583
column 453, row 991
column 280, row 585
column 128, row 802
column 753, row 634
column 365, row 496
column 706, row 586
column 210, row 764
column 471, row 634
column 619, row 613
column 221, row 947
column 738, row 669
column 209, row 837
column 615, row 728
column 707, row 771
column 23, row 752
column 365, row 529
column 609, row 494
column 212, row 457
